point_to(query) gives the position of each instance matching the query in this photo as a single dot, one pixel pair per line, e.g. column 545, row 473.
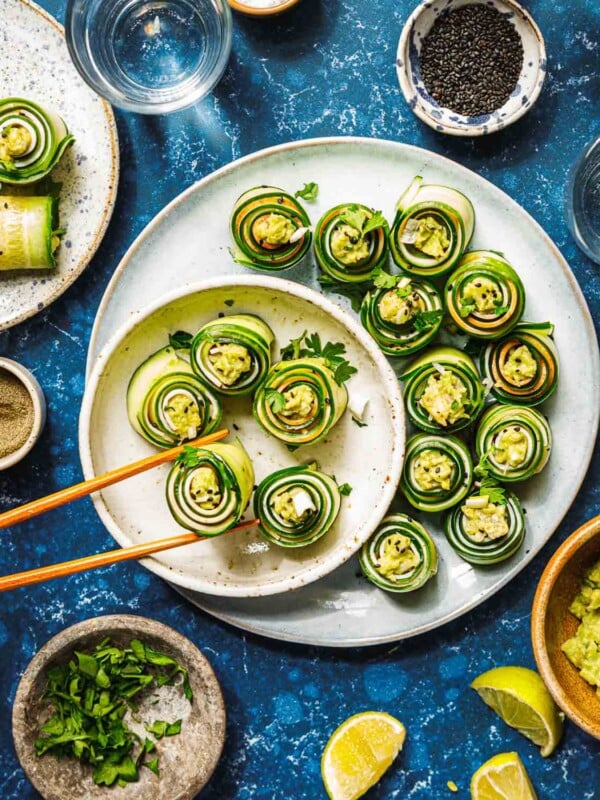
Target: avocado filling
column 485, row 524
column 182, row 414
column 511, row 446
column 399, row 310
column 427, row 235
column 230, row 362
column 484, row 293
column 583, row 649
column 445, row 398
column 299, row 402
column 520, row 367
column 16, row 141
column 293, row 505
column 273, row 229
column 205, row 488
column 396, row 557
column 433, row 470
column 348, row 245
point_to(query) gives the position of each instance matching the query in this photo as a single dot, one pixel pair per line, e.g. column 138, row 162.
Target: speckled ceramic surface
column 35, row 63
column 186, row 761
column 343, row 609
column 245, row 564
column 445, row 120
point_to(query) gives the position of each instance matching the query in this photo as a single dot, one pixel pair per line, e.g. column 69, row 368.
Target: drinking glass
column 582, row 201
column 149, row 56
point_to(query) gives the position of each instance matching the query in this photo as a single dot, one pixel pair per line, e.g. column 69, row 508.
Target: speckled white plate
column 35, row 63
column 244, row 564
column 343, row 609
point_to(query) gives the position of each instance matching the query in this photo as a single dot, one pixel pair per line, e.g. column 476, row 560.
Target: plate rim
column 393, row 397
column 512, row 207
column 109, row 203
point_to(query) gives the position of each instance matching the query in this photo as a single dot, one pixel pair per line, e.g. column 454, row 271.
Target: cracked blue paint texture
column 326, row 68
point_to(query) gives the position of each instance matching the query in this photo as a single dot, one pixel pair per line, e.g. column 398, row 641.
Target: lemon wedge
column 359, row 752
column 503, row 777
column 518, row 695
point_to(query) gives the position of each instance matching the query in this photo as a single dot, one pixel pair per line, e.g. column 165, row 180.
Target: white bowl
column 30, row 382
column 445, row 120
column 244, row 564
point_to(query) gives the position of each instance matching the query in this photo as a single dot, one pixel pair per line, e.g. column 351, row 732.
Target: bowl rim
column 415, row 102
column 31, row 383
column 389, row 383
column 547, row 581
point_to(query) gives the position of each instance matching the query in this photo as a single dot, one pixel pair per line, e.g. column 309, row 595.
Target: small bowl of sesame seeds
column 22, row 412
column 469, row 67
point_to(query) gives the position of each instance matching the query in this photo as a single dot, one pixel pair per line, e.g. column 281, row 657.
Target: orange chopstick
column 65, row 568
column 36, row 507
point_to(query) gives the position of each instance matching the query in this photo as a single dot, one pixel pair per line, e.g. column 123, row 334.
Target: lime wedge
column 503, row 777
column 359, row 752
column 518, row 695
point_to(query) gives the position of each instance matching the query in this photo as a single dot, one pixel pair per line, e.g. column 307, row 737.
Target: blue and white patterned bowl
column 445, row 120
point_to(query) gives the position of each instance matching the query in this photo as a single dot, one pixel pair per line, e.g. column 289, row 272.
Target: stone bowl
column 186, row 761
column 552, row 624
column 445, row 120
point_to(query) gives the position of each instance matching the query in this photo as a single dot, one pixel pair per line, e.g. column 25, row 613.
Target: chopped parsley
column 180, row 340
column 488, row 486
column 425, row 320
column 345, row 489
column 309, row 192
column 275, row 400
column 466, row 307
column 310, row 346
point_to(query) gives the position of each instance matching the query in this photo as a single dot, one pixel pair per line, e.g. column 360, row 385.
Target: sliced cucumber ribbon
column 233, row 353
column 522, row 367
column 515, row 441
column 311, row 402
column 211, row 496
column 437, row 473
column 167, row 403
column 296, row 506
column 270, row 228
column 343, row 251
column 28, row 232
column 443, row 391
column 403, row 319
column 32, row 140
column 480, row 549
column 400, row 556
column 443, row 217
column 485, row 297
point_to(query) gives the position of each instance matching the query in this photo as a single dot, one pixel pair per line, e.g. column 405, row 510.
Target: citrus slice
column 503, row 777
column 359, row 752
column 518, row 695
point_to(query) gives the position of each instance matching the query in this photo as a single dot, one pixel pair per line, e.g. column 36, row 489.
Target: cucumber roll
column 515, row 442
column 29, row 235
column 32, row 141
column 351, row 240
column 400, row 556
column 484, row 295
column 300, row 401
column 296, row 506
column 233, row 354
column 167, row 403
column 443, row 391
column 437, row 473
column 432, row 229
column 270, row 228
column 522, row 367
column 208, row 488
column 403, row 318
column 485, row 532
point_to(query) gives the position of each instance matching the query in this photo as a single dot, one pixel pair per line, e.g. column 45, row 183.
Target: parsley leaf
column 180, row 340
column 292, row 350
column 345, row 489
column 190, row 457
column 374, row 222
column 354, row 216
column 275, row 400
column 501, row 310
column 310, row 346
column 489, row 486
column 466, row 307
column 382, row 279
column 427, row 320
column 308, row 192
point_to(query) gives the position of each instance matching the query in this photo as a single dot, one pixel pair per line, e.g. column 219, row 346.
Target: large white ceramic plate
column 244, row 564
column 343, row 609
column 35, row 64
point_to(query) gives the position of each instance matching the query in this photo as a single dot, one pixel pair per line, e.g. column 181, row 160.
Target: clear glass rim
column 569, row 195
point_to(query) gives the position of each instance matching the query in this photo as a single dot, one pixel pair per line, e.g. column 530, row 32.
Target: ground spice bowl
column 552, row 624
column 445, row 120
column 34, row 389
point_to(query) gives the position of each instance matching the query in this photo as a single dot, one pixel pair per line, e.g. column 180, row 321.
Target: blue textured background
column 325, row 68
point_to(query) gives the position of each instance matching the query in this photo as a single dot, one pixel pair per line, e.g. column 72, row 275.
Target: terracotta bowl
column 552, row 624
column 186, row 761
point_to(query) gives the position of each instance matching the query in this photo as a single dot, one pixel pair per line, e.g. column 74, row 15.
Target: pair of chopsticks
column 37, row 507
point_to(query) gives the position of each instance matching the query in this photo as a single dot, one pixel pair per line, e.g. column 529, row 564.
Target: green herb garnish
column 488, row 486
column 190, row 457
column 501, row 310
column 275, row 400
column 382, row 279
column 180, row 340
column 345, row 489
column 309, row 346
column 358, row 219
column 425, row 320
column 308, row 192
column 466, row 307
